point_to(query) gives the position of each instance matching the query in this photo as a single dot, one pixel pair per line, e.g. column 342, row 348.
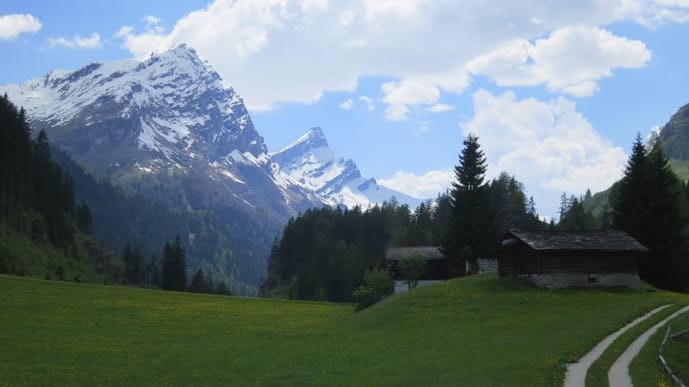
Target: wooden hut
column 436, row 265
column 572, row 259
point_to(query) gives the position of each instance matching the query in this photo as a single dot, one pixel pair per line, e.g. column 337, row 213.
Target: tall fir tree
column 180, row 265
column 470, row 230
column 629, row 205
column 168, row 272
column 173, row 272
column 651, row 207
column 134, row 264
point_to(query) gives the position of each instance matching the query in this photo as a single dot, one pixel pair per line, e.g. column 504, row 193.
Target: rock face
column 311, row 163
column 674, row 136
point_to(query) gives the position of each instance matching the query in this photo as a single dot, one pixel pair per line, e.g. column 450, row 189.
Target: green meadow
column 475, row 331
column 677, row 350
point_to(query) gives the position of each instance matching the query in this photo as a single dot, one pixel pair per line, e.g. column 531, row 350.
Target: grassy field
column 477, row 331
column 677, row 350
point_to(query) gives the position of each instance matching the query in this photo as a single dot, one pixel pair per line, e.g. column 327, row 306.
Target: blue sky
column 556, row 91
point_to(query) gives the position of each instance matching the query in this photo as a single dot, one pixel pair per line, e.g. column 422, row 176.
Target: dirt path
column 619, row 376
column 576, row 373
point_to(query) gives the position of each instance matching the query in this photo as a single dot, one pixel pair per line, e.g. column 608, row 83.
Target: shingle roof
column 426, row 252
column 611, row 240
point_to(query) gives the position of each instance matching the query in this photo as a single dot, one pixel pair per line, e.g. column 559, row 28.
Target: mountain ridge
column 310, row 162
column 133, row 121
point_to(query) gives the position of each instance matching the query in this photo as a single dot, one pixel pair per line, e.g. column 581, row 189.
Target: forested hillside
column 44, row 229
column 122, row 218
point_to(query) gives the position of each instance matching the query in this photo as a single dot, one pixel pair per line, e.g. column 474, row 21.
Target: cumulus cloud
column 346, row 105
column 370, row 103
column 153, row 24
column 660, row 11
column 399, row 95
column 276, row 51
column 93, row 41
column 548, row 145
column 426, row 186
column 570, row 60
column 13, row 25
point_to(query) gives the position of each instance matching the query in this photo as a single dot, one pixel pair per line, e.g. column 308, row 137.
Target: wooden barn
column 572, row 259
column 436, row 268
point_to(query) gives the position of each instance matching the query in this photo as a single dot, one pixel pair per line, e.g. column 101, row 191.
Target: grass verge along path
column 676, row 351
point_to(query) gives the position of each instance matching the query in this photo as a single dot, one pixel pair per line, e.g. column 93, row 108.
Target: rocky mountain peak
column 172, row 105
column 311, row 162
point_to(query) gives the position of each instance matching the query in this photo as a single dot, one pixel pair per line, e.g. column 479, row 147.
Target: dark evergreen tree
column 576, row 218
column 199, row 282
column 632, row 197
column 134, row 264
column 665, row 231
column 651, row 206
column 470, row 232
column 179, row 265
column 222, row 289
column 564, row 205
column 169, row 269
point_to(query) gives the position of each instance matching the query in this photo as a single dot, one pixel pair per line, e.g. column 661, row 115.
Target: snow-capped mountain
column 141, row 122
column 310, row 162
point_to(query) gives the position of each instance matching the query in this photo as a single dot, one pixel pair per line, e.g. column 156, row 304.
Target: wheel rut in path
column 619, row 376
column 576, row 372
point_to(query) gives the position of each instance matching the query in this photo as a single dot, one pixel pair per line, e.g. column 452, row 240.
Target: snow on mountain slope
column 310, row 162
column 135, row 121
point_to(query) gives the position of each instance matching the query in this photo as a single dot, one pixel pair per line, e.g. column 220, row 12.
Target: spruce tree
column 198, row 282
column 630, row 203
column 168, row 272
column 470, row 231
column 650, row 206
column 668, row 267
column 179, row 265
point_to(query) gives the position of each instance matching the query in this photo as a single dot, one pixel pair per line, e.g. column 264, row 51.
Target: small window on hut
column 592, row 279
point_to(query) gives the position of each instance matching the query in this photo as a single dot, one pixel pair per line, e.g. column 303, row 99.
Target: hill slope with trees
column 44, row 230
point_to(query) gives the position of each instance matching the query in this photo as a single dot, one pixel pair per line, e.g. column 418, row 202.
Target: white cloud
column 440, row 108
column 399, row 95
column 13, row 25
column 153, row 24
column 260, row 46
column 397, row 113
column 570, row 60
column 346, row 105
column 93, row 41
column 124, row 31
column 661, row 11
column 549, row 145
column 370, row 103
column 426, row 186
column 673, row 3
